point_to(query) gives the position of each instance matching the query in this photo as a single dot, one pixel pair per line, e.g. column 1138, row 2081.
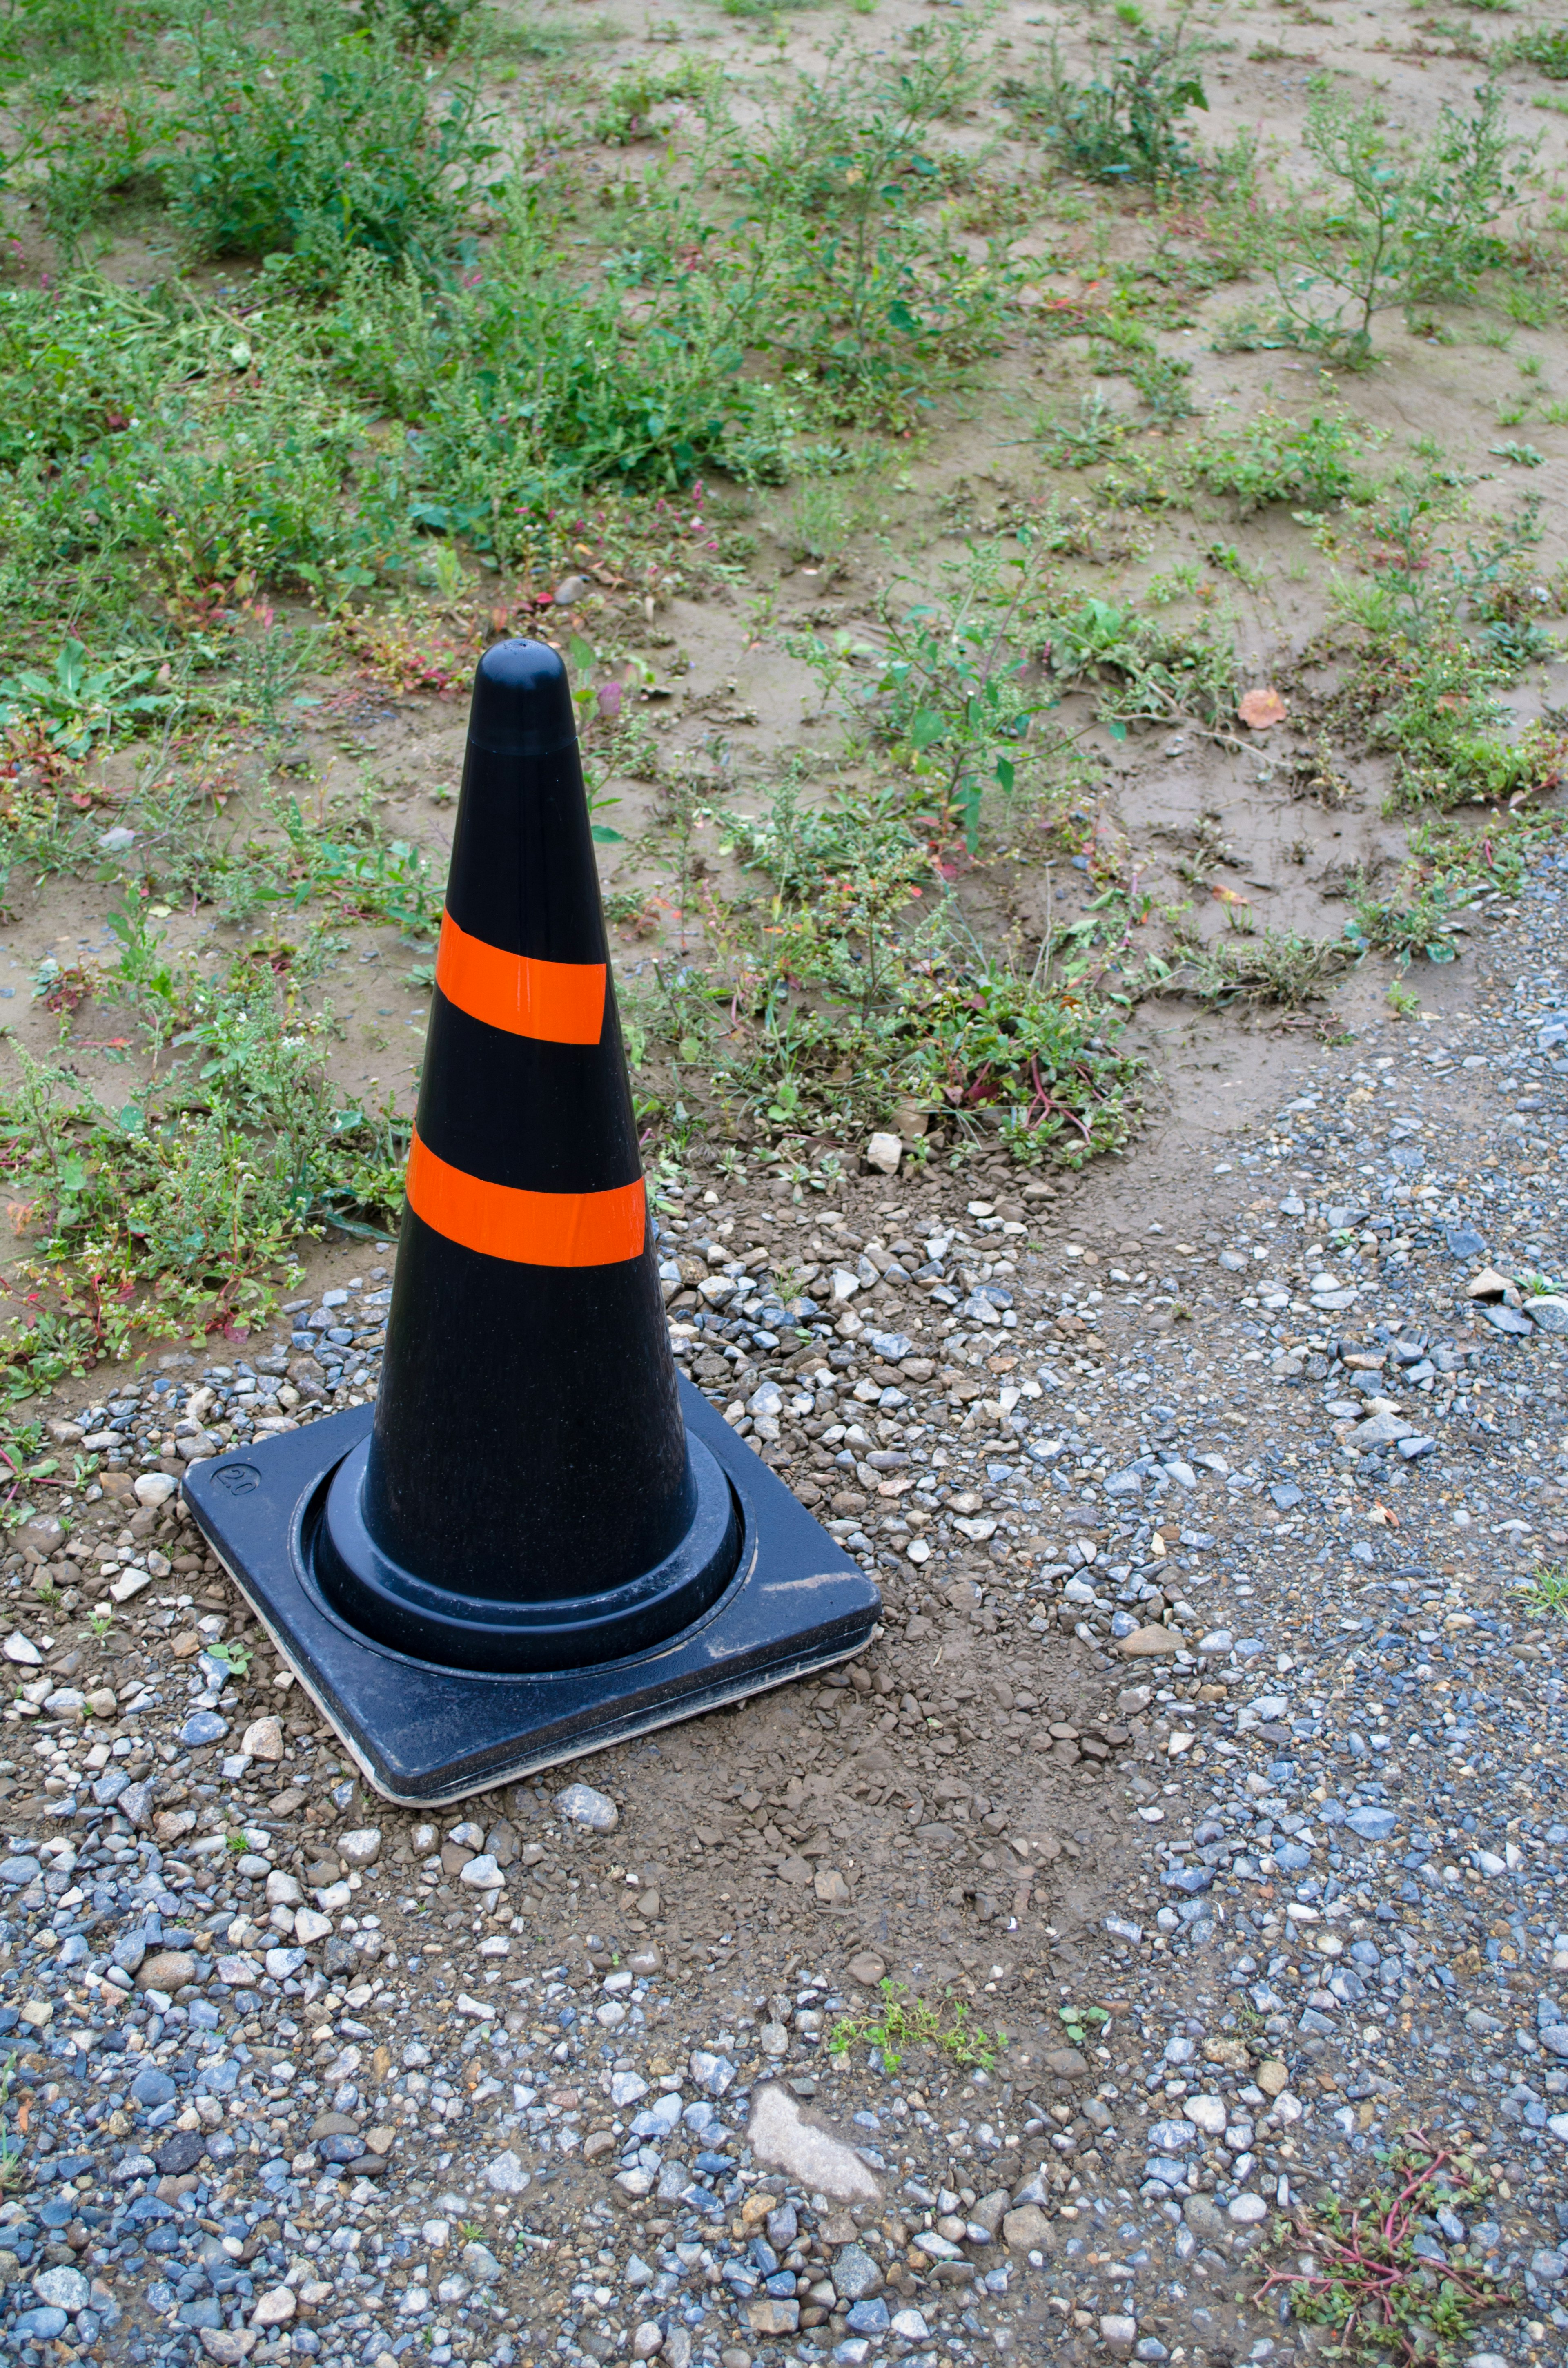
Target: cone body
column 529, row 1495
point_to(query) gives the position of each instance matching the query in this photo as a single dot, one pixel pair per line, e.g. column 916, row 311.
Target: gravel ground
column 1211, row 1751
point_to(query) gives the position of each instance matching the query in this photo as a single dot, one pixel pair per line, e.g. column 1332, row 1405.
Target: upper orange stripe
column 530, row 1228
column 560, row 1003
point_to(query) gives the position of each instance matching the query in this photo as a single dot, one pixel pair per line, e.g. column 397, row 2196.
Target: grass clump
column 1257, row 967
column 1546, row 1594
column 904, row 2020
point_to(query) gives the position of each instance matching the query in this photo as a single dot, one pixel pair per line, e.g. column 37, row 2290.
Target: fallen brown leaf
column 1261, row 710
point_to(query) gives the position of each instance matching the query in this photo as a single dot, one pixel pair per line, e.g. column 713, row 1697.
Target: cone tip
column 522, row 701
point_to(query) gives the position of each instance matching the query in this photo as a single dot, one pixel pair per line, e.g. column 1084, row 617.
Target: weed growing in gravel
column 1547, row 1592
column 904, row 2020
column 1361, row 2275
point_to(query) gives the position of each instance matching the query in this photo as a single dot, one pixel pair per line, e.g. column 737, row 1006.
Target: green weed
column 860, row 282
column 1125, row 122
column 1253, row 967
column 1545, row 48
column 1272, row 458
column 181, row 1209
column 903, row 2022
column 1546, row 1593
column 1382, row 229
column 1144, row 672
column 1361, row 2271
column 326, row 148
column 1415, row 924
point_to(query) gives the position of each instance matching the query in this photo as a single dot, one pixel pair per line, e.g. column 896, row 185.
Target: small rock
column 1204, row 2217
column 1272, row 2077
column 276, row 2308
column 482, row 1874
column 40, row 2325
column 1150, row 1643
column 506, row 2174
column 180, row 2152
column 713, row 2073
column 766, row 2315
column 203, row 1728
column 22, row 1649
column 883, row 1153
column 1026, row 2230
column 62, row 2289
column 228, row 2345
column 855, row 2276
column 1246, row 2210
column 583, row 1807
column 154, row 1488
column 1548, row 1313
column 1118, row 2333
column 168, row 1971
column 812, row 2157
column 360, row 1848
column 263, row 1739
column 1372, row 1825
column 647, row 2340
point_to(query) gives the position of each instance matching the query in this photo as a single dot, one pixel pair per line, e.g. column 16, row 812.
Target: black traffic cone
column 546, row 1541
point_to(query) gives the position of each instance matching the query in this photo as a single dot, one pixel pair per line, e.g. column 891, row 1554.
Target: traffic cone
column 549, row 1537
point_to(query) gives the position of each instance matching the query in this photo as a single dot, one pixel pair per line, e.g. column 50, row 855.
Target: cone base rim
column 382, row 1600
column 424, row 1734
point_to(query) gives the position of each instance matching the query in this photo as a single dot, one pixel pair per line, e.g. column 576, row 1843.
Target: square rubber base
column 426, row 1734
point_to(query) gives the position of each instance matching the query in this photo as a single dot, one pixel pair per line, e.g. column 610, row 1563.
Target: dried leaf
column 1261, row 710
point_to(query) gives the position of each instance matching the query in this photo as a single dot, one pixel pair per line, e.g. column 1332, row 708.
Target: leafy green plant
column 906, row 2021
column 423, row 24
column 1125, row 122
column 1363, row 2273
column 182, row 1209
column 1545, row 47
column 75, row 705
column 1415, row 924
column 632, row 97
column 860, row 281
column 1272, row 458
column 1259, row 966
column 1145, row 672
column 1383, row 229
column 321, row 151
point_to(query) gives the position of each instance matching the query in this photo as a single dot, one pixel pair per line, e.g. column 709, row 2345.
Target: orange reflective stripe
column 559, row 1003
column 530, row 1228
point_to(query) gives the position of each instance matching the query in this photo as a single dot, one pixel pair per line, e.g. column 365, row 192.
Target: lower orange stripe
column 559, row 1003
column 530, row 1228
